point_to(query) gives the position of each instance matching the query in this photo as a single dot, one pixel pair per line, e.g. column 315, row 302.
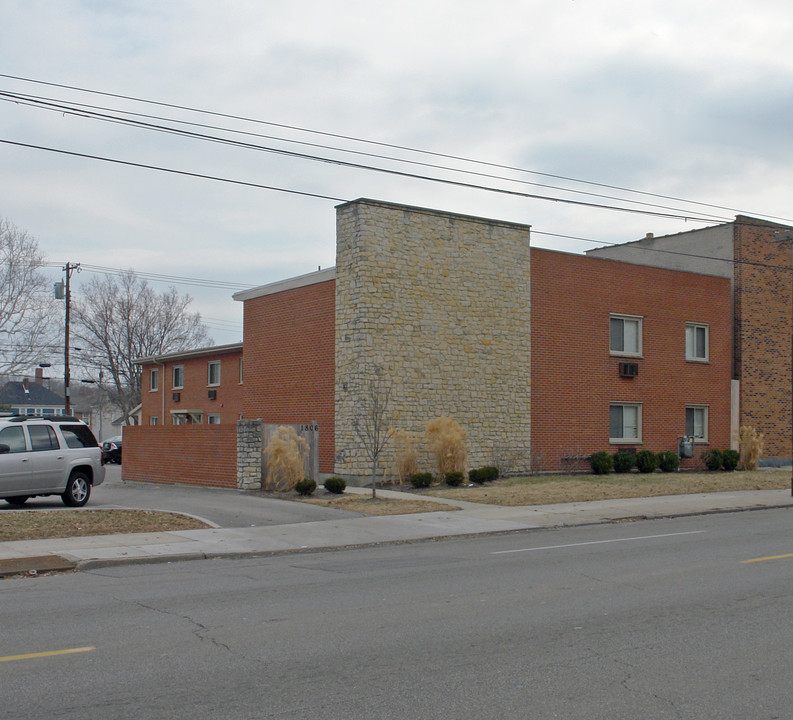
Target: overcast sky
column 687, row 99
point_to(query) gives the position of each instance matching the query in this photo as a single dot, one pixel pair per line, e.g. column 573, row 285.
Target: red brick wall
column 290, row 362
column 574, row 377
column 763, row 331
column 190, row 454
column 194, row 395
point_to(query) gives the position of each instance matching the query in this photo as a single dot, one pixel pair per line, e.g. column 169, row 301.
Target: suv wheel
column 78, row 490
column 17, row 500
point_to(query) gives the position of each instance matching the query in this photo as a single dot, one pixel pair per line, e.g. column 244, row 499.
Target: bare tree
column 119, row 319
column 28, row 316
column 373, row 424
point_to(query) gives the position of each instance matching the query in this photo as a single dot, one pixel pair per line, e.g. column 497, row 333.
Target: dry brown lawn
column 548, row 489
column 379, row 506
column 31, row 524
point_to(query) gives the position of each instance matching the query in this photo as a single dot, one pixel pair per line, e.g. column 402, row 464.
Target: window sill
column 625, row 441
column 616, row 353
column 698, row 361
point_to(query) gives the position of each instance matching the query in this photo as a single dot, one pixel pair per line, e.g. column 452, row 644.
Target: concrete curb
column 96, row 552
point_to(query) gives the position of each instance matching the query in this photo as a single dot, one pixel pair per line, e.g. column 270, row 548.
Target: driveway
column 221, row 507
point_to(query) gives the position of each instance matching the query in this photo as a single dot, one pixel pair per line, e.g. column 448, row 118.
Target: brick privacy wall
column 574, row 377
column 189, row 454
column 289, row 360
column 441, row 304
column 763, row 331
column 194, row 395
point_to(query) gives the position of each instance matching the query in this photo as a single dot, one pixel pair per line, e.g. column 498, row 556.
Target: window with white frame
column 213, row 419
column 154, row 379
column 696, row 342
column 153, row 420
column 625, row 423
column 697, row 422
column 213, row 373
column 178, row 377
column 625, row 335
column 187, row 417
column 240, row 371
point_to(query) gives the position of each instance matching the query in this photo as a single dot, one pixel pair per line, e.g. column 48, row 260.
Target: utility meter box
column 685, row 446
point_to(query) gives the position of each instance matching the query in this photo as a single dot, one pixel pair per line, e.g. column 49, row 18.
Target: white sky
column 686, row 99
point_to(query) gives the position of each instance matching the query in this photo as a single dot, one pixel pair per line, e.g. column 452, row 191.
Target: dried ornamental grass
column 286, row 455
column 446, row 440
column 750, row 443
column 406, row 456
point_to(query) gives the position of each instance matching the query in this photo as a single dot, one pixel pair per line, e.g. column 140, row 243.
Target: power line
column 77, row 110
column 373, row 143
column 456, row 183
column 174, row 172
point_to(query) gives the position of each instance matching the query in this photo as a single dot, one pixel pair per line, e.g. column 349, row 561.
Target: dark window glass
column 14, row 437
column 615, row 421
column 77, row 436
column 617, row 334
column 42, row 437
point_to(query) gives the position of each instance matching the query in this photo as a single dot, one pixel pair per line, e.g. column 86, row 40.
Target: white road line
column 597, row 542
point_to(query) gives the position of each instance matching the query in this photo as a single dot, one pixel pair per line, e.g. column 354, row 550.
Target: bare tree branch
column 122, row 318
column 372, row 426
column 28, row 310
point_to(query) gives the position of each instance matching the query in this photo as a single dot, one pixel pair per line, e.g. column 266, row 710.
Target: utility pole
column 70, row 268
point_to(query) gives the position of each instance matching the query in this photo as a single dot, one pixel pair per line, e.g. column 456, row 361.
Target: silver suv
column 51, row 455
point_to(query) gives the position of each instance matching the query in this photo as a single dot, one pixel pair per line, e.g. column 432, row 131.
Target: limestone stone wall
column 439, row 304
column 249, row 454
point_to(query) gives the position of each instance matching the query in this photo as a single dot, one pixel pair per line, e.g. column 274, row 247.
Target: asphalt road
column 685, row 618
column 221, row 507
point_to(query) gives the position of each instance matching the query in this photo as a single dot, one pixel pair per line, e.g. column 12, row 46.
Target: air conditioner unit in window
column 628, row 369
column 212, row 394
column 176, row 397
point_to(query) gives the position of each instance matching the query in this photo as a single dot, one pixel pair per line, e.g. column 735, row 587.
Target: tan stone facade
column 440, row 304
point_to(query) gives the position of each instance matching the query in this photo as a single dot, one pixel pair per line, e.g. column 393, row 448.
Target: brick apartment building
column 542, row 356
column 755, row 256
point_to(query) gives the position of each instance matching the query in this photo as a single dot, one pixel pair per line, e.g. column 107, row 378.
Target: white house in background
column 31, row 398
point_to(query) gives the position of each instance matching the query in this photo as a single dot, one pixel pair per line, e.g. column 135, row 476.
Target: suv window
column 78, row 436
column 42, row 437
column 14, row 438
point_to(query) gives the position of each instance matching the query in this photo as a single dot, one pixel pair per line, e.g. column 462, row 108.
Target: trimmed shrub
column 488, row 473
column 623, row 461
column 421, row 480
column 601, row 462
column 713, row 459
column 335, row 485
column 730, row 459
column 305, row 487
column 476, row 476
column 646, row 461
column 453, row 478
column 668, row 461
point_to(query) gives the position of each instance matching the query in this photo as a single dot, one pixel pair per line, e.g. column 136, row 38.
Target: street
column 679, row 618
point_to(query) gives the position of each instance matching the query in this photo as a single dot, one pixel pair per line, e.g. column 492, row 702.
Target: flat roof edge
column 299, row 281
column 211, row 350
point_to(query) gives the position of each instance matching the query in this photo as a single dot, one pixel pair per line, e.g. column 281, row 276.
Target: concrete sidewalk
column 473, row 518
